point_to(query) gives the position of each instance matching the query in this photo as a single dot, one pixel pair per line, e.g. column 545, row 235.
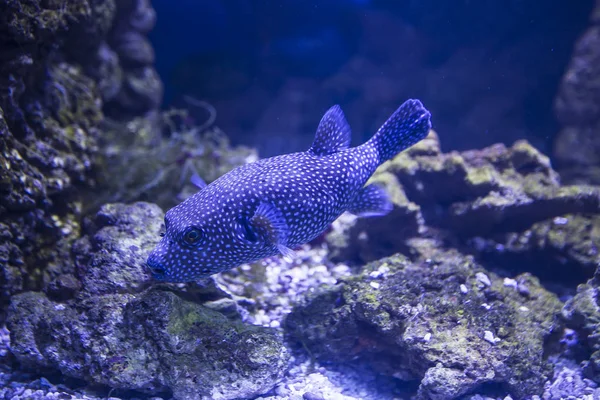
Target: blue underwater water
column 300, row 199
column 492, row 64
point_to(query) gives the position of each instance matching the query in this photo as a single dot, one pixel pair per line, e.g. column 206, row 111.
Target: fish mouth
column 157, row 270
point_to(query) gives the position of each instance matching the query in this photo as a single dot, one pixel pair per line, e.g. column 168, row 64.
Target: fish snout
column 157, row 269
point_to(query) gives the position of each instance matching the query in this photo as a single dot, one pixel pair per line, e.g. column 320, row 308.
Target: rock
column 104, row 67
column 112, row 259
column 57, row 76
column 142, row 16
column 47, row 150
column 134, row 49
column 490, row 190
column 582, row 314
column 37, row 22
column 141, row 89
column 90, row 32
column 507, row 204
column 568, row 383
column 562, row 249
column 416, row 324
column 64, row 287
column 578, row 99
column 576, row 150
column 577, row 106
column 116, row 332
column 152, row 343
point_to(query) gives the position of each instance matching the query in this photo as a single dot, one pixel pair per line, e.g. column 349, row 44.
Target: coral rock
column 153, row 343
column 116, row 333
column 506, row 203
column 442, row 321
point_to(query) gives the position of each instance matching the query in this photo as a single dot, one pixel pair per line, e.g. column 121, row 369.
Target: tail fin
column 409, row 124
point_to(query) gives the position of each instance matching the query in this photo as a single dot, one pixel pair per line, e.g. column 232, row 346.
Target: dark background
column 488, row 70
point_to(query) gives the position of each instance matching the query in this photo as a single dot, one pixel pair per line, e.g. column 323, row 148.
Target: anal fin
column 371, row 201
column 287, row 253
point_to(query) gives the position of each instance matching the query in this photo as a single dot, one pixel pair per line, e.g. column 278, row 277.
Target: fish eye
column 192, row 236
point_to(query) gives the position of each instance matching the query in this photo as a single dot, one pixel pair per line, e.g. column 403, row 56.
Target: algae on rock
column 155, row 342
column 490, row 190
column 54, row 77
column 115, row 331
column 562, row 249
column 47, row 152
column 582, row 315
column 442, row 321
column 481, row 200
column 111, row 258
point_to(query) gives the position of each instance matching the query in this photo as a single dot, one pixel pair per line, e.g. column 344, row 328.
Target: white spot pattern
column 310, row 189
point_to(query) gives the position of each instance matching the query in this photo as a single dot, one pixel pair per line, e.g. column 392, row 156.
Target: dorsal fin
column 333, row 133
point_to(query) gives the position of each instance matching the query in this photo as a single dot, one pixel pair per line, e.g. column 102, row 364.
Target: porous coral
column 57, row 72
column 47, row 145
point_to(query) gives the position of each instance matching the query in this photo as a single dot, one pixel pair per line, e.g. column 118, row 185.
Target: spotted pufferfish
column 273, row 205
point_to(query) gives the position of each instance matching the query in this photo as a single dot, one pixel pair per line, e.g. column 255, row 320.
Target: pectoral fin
column 270, row 225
